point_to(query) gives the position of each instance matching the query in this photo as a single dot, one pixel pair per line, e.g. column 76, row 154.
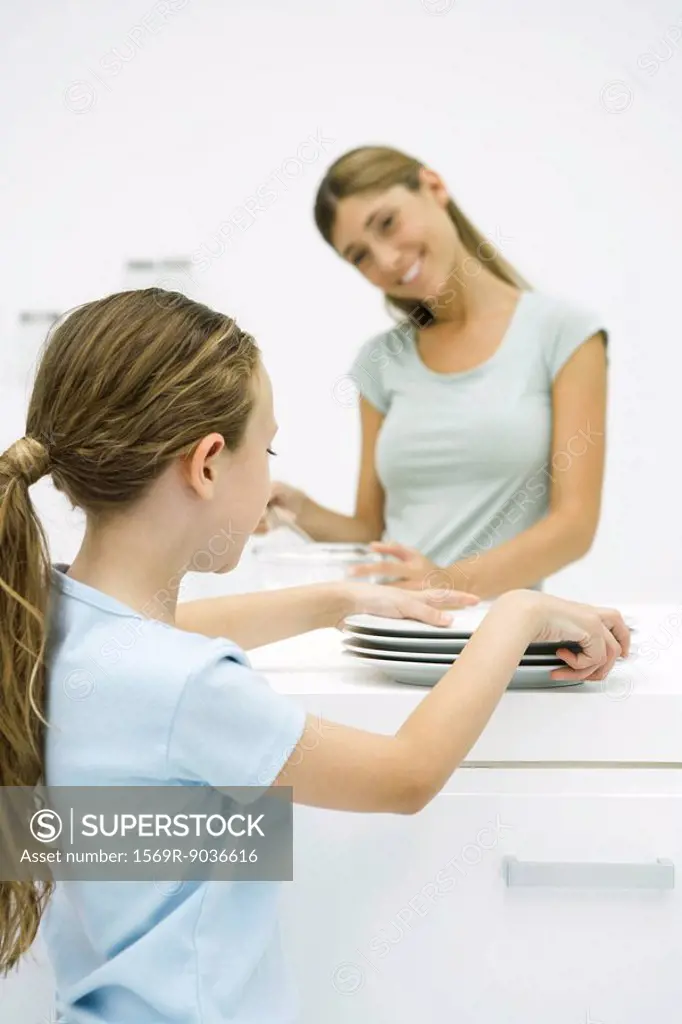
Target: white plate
column 452, row 645
column 421, row 645
column 441, row 657
column 408, row 643
column 464, row 622
column 527, row 677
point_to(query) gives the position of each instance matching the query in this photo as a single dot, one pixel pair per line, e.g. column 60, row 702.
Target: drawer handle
column 592, row 875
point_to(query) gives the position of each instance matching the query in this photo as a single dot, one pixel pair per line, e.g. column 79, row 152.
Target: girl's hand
column 395, row 603
column 601, row 633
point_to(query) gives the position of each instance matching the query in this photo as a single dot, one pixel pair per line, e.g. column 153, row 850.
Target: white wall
column 125, row 135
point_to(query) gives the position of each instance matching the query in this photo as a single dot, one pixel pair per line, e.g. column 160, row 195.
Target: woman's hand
column 410, row 570
column 395, row 603
column 288, row 499
column 407, row 564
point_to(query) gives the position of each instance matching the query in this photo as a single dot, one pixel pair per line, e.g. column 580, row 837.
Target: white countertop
column 633, row 716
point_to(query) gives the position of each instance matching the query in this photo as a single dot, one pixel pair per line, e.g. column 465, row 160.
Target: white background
column 127, row 136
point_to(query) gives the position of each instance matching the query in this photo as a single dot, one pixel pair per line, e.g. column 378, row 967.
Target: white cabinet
column 394, row 920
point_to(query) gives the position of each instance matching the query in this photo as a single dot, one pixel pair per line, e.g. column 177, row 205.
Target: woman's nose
column 387, row 260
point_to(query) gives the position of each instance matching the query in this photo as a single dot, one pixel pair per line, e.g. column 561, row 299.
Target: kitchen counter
column 632, row 717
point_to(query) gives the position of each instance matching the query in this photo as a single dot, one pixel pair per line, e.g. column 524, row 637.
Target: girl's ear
column 199, row 468
column 215, row 448
column 214, row 444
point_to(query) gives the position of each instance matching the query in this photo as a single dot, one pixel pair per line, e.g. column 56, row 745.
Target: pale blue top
column 465, row 458
column 132, row 701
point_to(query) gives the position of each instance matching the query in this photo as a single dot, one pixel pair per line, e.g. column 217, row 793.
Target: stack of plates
column 413, row 652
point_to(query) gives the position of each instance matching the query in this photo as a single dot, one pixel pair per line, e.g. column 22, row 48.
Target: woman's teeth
column 411, row 273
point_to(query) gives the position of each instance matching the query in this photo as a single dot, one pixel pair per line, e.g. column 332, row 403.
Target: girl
column 154, row 415
column 482, row 413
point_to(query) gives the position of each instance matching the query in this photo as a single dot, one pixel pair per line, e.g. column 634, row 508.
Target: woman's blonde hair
column 377, row 168
column 125, row 386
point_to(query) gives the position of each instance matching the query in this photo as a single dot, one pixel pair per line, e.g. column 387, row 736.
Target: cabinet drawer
column 521, row 898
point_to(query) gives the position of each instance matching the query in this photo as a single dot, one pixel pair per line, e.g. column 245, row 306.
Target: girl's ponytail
column 24, row 590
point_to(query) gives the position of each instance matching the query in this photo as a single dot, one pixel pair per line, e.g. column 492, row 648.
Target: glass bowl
column 310, row 563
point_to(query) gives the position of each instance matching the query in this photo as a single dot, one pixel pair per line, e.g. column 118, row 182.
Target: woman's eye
column 385, row 224
column 270, row 452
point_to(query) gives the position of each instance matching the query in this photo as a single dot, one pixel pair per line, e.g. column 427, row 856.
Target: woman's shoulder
column 381, row 362
column 551, row 307
column 562, row 325
column 393, row 342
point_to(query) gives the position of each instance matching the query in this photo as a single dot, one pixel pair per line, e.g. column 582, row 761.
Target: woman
column 482, row 412
column 154, row 415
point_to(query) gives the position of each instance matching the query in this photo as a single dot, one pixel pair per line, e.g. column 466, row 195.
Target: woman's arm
column 367, row 522
column 574, row 477
column 323, row 524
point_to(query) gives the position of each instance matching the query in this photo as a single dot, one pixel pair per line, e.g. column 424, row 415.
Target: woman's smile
column 412, row 272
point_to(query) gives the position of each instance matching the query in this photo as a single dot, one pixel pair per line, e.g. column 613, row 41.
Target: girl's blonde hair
column 125, row 386
column 377, row 168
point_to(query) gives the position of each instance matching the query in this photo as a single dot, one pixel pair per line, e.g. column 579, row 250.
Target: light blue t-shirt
column 465, row 458
column 133, row 701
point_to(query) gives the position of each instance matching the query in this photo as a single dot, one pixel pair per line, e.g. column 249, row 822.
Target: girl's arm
column 574, row 477
column 349, row 769
column 263, row 617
